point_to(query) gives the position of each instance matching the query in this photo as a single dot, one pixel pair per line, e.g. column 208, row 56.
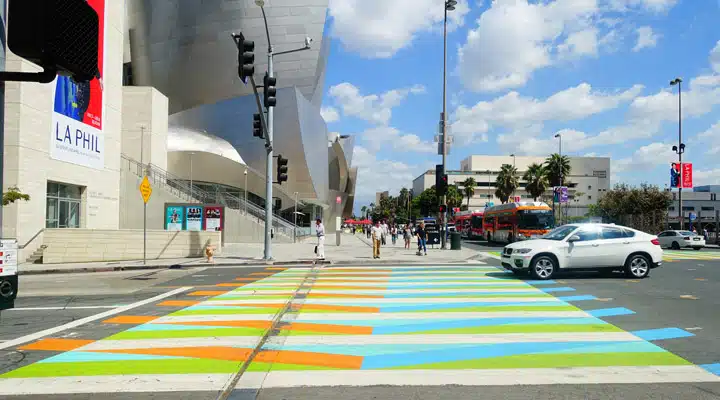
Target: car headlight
column 523, row 251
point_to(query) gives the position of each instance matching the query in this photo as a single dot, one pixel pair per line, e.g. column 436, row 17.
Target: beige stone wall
column 145, row 120
column 88, row 245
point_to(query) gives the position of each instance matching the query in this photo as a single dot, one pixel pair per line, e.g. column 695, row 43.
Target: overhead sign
column 145, row 189
column 76, row 135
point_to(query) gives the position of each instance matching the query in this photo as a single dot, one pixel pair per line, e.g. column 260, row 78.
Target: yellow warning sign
column 145, row 189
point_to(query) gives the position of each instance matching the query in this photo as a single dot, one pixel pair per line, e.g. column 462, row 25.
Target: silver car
column 681, row 239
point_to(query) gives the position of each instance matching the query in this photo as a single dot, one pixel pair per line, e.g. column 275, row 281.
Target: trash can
column 455, row 242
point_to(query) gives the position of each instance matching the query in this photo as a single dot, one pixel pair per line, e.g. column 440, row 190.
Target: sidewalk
column 354, row 249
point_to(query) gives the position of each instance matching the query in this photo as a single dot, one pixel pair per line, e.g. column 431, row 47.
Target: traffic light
column 443, row 209
column 440, row 180
column 257, row 126
column 282, row 169
column 269, row 90
column 246, row 58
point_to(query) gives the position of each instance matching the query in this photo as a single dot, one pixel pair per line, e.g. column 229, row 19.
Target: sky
column 518, row 72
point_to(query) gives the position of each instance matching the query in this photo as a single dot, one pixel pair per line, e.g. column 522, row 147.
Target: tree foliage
column 468, row 189
column 643, row 208
column 557, row 168
column 537, row 180
column 506, row 182
column 14, row 194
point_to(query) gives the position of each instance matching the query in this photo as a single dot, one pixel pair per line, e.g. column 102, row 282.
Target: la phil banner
column 77, row 120
column 681, row 176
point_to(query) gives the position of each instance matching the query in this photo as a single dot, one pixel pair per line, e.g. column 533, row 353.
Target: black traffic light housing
column 440, row 180
column 269, row 90
column 62, row 36
column 246, row 58
column 282, row 169
column 257, row 126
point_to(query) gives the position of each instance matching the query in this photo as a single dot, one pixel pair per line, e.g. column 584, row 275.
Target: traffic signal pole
column 443, row 234
column 269, row 161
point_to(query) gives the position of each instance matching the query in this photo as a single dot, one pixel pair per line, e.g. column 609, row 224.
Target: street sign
column 693, row 216
column 145, row 189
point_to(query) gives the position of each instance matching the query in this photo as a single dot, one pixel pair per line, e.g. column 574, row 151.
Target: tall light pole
column 559, row 136
column 270, row 121
column 449, row 5
column 295, row 219
column 513, row 156
column 679, row 149
column 246, row 190
column 191, row 174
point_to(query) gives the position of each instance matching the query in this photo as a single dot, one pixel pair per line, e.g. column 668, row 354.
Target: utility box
column 8, row 273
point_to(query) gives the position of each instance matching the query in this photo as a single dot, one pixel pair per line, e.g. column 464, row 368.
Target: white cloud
column 373, row 108
column 580, row 44
column 710, row 140
column 649, row 5
column 645, row 158
column 646, row 38
column 516, row 112
column 330, row 114
column 385, row 137
column 381, row 28
column 715, row 57
column 706, row 177
column 376, row 175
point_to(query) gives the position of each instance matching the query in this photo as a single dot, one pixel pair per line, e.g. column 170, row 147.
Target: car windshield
column 686, row 233
column 560, row 233
column 535, row 219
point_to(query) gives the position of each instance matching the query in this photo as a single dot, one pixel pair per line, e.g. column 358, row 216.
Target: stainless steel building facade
column 184, row 49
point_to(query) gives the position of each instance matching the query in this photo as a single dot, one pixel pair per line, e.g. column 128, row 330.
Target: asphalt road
column 681, row 294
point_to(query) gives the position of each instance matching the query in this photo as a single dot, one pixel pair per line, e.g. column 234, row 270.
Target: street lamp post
column 246, row 190
column 191, row 175
column 513, row 156
column 270, row 122
column 559, row 136
column 679, row 149
column 449, row 5
column 295, row 219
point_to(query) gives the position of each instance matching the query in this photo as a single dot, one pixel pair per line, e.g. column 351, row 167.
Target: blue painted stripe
column 662, row 334
column 509, row 304
column 511, row 285
column 432, row 326
column 489, row 351
column 462, row 294
column 558, row 289
column 712, row 368
column 82, row 356
column 576, row 298
column 610, row 312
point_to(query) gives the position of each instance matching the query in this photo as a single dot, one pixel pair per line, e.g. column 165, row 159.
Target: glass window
column 708, row 208
column 63, row 205
column 612, row 233
column 587, row 234
column 560, row 233
column 628, row 233
column 664, row 234
column 51, row 213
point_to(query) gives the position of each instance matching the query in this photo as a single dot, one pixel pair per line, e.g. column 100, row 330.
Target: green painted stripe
column 227, row 311
column 98, row 368
column 266, row 367
column 187, row 333
column 246, row 297
column 529, row 328
column 524, row 307
column 559, row 361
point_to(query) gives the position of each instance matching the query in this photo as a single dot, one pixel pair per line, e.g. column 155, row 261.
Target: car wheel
column 637, row 266
column 675, row 246
column 543, row 267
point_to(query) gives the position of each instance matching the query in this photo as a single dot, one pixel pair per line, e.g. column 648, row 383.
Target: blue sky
column 520, row 71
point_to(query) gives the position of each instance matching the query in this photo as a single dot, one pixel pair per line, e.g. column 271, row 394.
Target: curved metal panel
column 342, row 165
column 183, row 139
column 184, row 49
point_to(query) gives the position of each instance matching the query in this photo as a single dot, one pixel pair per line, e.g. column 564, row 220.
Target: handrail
column 31, row 239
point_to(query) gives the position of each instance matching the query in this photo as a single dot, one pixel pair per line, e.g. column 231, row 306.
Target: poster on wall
column 213, row 218
column 174, row 218
column 193, row 218
column 77, row 119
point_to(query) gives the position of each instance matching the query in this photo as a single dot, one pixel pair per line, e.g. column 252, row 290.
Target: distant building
column 704, row 205
column 380, row 195
column 707, row 189
column 589, row 179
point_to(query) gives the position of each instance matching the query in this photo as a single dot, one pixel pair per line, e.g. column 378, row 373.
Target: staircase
column 37, row 255
column 194, row 194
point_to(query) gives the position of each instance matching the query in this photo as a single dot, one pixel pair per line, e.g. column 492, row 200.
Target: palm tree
column 363, row 210
column 557, row 168
column 506, row 182
column 537, row 180
column 469, row 185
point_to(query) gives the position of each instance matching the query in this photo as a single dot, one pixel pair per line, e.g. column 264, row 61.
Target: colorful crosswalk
column 466, row 325
column 680, row 255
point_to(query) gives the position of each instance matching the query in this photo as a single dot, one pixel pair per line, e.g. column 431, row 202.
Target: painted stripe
column 662, row 334
column 712, row 368
column 229, row 341
column 488, row 377
column 558, row 289
column 576, row 298
column 517, row 288
column 81, row 356
column 404, row 284
column 62, row 308
column 83, row 321
column 394, row 301
column 610, row 312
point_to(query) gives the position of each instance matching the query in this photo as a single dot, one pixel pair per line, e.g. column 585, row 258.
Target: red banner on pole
column 687, row 176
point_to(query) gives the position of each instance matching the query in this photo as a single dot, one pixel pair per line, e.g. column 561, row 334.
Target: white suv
column 585, row 246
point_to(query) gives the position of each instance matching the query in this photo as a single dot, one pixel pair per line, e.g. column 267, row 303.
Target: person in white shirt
column 385, row 232
column 376, row 234
column 320, row 231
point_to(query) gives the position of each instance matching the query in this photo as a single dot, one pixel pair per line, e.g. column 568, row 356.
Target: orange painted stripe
column 341, row 295
column 310, row 358
column 212, row 352
column 246, row 279
column 235, row 324
column 328, row 328
column 179, row 303
column 262, row 273
column 130, row 319
column 331, row 307
column 207, row 293
column 348, row 287
column 54, row 344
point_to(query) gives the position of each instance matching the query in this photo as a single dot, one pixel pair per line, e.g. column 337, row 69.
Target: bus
column 469, row 224
column 510, row 222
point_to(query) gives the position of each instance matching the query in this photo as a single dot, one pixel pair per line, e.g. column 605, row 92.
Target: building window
column 63, row 205
column 128, row 75
column 708, row 208
column 689, row 208
column 671, row 208
column 589, row 187
column 589, row 197
column 600, row 174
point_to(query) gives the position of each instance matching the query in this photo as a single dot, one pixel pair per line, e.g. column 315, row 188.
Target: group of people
column 381, row 230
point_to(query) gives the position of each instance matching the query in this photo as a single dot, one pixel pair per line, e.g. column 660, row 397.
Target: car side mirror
column 574, row 238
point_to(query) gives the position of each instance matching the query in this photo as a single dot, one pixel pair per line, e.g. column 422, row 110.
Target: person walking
column 421, row 235
column 368, row 231
column 394, row 234
column 377, row 234
column 320, row 230
column 385, row 232
column 407, row 233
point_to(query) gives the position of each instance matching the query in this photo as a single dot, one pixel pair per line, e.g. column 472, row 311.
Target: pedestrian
column 385, row 232
column 421, row 235
column 393, row 234
column 320, row 230
column 377, row 234
column 407, row 233
column 706, row 235
column 368, row 231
